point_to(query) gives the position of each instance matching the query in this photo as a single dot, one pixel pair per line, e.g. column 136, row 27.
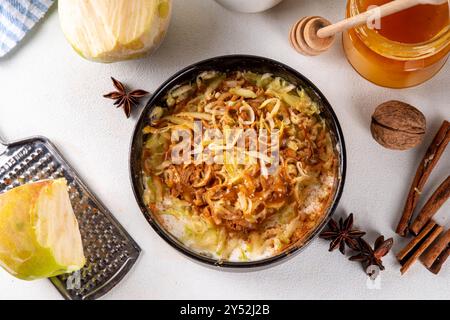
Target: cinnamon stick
column 424, row 170
column 436, row 255
column 433, row 204
column 418, row 245
column 440, row 261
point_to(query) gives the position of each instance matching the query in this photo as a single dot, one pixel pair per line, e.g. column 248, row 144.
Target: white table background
column 47, row 89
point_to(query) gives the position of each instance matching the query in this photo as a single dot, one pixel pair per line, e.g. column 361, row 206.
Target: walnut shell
column 398, row 125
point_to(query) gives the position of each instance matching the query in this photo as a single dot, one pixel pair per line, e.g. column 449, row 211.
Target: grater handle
column 3, row 145
column 3, row 141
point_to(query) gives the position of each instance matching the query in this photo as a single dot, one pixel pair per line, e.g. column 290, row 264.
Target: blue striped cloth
column 17, row 18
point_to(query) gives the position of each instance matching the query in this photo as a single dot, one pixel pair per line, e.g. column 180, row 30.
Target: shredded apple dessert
column 238, row 166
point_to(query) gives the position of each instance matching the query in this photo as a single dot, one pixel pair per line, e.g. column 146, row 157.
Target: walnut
column 398, row 125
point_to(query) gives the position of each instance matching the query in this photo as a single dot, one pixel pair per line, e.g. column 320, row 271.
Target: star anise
column 123, row 98
column 342, row 234
column 368, row 256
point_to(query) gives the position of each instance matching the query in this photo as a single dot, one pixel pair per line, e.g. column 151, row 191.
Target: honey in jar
column 409, row 47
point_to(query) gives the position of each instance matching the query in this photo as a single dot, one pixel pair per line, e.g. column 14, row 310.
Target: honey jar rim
column 399, row 50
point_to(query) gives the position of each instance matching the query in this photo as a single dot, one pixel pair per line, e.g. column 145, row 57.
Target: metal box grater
column 110, row 251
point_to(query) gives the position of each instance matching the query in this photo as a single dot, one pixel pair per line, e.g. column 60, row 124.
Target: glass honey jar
column 407, row 49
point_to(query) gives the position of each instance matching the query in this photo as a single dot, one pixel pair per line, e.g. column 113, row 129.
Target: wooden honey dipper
column 314, row 35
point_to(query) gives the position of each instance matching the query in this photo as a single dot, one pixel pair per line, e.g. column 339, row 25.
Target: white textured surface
column 48, row 90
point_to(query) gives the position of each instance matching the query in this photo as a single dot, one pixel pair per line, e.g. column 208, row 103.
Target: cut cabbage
column 114, row 30
column 246, row 93
column 39, row 234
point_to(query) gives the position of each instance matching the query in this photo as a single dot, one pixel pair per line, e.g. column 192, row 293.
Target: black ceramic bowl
column 233, row 63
